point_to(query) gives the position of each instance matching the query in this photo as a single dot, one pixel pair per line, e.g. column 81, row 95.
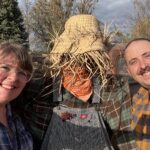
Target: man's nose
column 143, row 64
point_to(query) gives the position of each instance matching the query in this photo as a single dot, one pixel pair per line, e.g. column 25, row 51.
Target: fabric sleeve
column 116, row 109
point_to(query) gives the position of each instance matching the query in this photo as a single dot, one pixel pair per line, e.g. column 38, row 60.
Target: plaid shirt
column 141, row 118
column 115, row 105
column 35, row 107
column 116, row 108
column 17, row 138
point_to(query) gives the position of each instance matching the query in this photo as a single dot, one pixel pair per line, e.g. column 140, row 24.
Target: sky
column 115, row 12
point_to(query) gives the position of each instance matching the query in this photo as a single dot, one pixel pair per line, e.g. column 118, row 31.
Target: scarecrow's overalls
column 77, row 125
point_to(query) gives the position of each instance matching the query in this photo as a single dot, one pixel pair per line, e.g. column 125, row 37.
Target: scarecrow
column 80, row 61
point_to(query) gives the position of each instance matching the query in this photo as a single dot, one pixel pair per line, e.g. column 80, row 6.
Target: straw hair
column 80, row 44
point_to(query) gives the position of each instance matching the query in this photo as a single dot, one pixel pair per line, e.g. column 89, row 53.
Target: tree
column 141, row 19
column 26, row 7
column 11, row 22
column 48, row 17
column 85, row 6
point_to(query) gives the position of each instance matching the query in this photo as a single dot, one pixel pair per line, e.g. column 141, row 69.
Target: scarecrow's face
column 78, row 82
column 76, row 72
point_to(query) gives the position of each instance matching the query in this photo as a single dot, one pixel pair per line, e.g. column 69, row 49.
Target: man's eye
column 147, row 56
column 132, row 62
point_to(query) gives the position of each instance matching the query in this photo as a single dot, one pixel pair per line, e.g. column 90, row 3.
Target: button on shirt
column 141, row 118
column 15, row 138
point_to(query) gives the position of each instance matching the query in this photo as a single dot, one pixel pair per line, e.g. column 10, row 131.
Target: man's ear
column 127, row 70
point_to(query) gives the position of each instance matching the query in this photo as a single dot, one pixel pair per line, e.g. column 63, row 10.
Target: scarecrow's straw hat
column 80, row 44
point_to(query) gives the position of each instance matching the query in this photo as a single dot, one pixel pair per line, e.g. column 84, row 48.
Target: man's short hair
column 136, row 40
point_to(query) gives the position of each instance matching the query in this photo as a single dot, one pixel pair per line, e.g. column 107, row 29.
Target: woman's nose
column 13, row 76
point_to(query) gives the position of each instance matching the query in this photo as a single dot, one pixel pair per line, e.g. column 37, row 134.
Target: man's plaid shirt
column 37, row 104
column 141, row 118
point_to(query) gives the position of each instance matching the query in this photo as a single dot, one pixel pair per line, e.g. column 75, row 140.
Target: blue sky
column 113, row 11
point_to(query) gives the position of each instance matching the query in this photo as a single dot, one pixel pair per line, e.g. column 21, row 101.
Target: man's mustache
column 144, row 70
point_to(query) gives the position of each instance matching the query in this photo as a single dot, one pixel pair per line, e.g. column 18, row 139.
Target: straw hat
column 80, row 44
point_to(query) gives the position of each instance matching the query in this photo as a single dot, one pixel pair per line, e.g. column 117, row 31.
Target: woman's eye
column 22, row 73
column 4, row 67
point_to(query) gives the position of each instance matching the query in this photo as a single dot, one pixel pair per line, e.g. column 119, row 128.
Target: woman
column 15, row 71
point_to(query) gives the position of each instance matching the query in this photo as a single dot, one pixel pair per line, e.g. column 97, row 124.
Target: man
column 137, row 56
